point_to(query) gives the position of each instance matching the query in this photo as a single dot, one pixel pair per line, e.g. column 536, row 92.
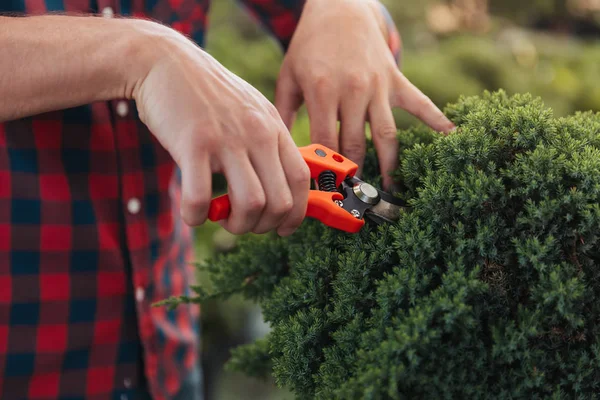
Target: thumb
column 288, row 98
column 197, row 189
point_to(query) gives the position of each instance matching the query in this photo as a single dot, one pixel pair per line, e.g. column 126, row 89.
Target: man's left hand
column 340, row 65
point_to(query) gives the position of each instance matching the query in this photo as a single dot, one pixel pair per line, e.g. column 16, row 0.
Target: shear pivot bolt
column 339, row 203
column 355, row 213
column 366, row 193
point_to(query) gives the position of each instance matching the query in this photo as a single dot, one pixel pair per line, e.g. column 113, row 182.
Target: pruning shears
column 341, row 200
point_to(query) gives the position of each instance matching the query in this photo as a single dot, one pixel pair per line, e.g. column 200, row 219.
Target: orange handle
column 220, row 207
column 321, row 206
column 320, row 158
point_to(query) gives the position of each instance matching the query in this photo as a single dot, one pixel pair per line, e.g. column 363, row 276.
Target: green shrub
column 487, row 287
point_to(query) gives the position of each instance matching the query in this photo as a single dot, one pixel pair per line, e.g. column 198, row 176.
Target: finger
column 279, row 201
column 408, row 97
column 196, row 180
column 353, row 115
column 288, row 99
column 385, row 140
column 321, row 105
column 246, row 194
column 298, row 179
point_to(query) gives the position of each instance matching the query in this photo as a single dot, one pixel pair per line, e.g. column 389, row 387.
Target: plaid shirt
column 90, row 235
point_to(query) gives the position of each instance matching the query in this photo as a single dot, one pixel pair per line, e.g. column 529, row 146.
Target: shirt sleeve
column 281, row 17
column 393, row 35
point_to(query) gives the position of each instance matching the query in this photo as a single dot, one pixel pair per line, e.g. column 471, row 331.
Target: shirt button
column 133, row 206
column 127, row 383
column 108, row 12
column 139, row 294
column 122, row 108
column 123, row 397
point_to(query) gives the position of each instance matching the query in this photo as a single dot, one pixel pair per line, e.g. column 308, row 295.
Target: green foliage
column 487, row 287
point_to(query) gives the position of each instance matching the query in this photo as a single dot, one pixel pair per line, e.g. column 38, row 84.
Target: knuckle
column 234, row 145
column 291, row 225
column 325, row 138
column 354, row 148
column 265, row 138
column 319, row 74
column 358, row 81
column 376, row 78
column 418, row 103
column 210, row 139
column 192, row 220
column 354, row 154
column 261, row 230
column 424, row 101
column 322, row 84
column 301, row 176
column 283, row 206
column 255, row 203
column 197, row 203
column 194, row 213
column 200, row 204
column 239, row 225
column 258, row 136
column 237, row 229
column 398, row 100
column 387, row 132
column 253, row 119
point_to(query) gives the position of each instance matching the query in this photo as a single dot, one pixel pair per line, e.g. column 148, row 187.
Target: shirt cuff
column 280, row 18
column 393, row 35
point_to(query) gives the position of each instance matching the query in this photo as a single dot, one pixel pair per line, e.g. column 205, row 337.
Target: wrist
column 378, row 11
column 148, row 43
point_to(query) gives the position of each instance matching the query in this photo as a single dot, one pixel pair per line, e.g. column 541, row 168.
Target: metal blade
column 364, row 200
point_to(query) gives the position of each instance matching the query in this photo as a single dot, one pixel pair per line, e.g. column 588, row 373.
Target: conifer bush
column 487, row 286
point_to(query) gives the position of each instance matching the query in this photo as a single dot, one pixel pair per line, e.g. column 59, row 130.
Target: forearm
column 279, row 18
column 55, row 62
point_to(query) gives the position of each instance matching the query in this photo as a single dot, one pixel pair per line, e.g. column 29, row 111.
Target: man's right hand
column 206, row 117
column 210, row 121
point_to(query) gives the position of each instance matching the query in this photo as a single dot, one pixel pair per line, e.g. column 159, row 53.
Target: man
column 96, row 113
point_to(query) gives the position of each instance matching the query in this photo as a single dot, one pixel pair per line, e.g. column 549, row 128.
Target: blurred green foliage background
column 549, row 48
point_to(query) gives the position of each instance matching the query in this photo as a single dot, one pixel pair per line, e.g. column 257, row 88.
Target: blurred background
column 549, row 48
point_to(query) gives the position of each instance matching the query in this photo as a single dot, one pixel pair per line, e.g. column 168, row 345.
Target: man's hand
column 340, row 65
column 212, row 121
column 206, row 117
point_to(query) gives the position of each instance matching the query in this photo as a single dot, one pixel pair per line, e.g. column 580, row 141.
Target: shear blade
column 387, row 209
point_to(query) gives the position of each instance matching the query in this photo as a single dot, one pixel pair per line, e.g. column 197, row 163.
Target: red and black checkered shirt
column 90, row 235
